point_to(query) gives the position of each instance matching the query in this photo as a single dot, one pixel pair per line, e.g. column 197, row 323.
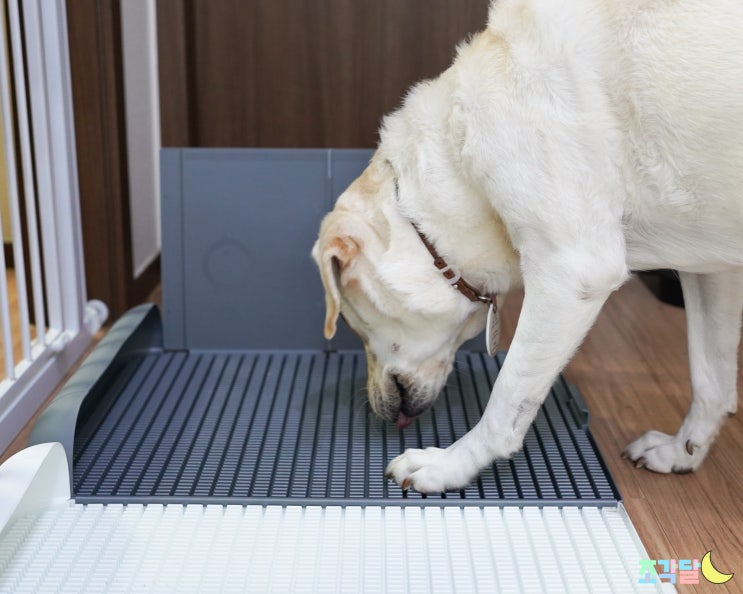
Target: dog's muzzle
column 404, row 419
column 413, row 400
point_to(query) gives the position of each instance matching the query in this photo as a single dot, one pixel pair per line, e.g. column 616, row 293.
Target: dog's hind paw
column 665, row 453
column 433, row 470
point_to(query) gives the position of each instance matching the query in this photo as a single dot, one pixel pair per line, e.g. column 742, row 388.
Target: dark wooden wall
column 298, row 73
column 94, row 29
column 265, row 73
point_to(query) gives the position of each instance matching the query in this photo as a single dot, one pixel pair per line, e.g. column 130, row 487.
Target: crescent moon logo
column 710, row 573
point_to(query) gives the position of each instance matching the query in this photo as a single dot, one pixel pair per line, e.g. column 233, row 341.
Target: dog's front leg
column 557, row 312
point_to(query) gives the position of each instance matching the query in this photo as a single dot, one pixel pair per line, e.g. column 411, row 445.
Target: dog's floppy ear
column 333, row 251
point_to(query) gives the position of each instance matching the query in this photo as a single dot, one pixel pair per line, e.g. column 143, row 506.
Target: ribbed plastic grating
column 294, row 427
column 215, row 548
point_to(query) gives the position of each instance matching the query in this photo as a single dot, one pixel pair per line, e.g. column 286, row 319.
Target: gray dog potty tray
column 229, row 403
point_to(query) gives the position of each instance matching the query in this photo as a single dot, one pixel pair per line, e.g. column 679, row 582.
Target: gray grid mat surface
column 294, row 427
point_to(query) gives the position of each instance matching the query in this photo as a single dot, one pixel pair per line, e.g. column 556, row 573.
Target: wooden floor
column 632, row 371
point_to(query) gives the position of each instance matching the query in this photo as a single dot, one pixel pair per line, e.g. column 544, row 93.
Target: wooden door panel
column 288, row 73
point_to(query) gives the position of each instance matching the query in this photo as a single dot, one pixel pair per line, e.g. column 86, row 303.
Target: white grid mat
column 194, row 548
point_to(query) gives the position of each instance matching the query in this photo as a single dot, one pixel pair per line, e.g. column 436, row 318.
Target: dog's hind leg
column 714, row 305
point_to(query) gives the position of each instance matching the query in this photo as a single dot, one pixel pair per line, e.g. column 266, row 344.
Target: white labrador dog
column 570, row 142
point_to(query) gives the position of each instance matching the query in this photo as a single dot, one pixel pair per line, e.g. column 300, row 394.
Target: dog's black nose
column 401, row 389
column 411, row 403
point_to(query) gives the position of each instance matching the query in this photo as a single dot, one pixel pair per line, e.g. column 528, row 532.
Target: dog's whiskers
column 359, row 404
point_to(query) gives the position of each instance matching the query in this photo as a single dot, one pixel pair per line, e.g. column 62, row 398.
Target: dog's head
column 379, row 276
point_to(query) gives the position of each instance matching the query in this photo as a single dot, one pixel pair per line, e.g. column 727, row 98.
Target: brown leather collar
column 452, row 275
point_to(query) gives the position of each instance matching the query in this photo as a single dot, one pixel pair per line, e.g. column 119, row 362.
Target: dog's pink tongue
column 404, row 421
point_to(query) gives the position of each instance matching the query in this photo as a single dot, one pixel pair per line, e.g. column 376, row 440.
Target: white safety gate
column 52, row 321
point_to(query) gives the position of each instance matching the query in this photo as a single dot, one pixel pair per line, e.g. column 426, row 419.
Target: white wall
column 139, row 35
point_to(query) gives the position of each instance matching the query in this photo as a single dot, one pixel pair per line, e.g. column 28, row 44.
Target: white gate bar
column 64, row 161
column 6, row 103
column 71, row 321
column 42, row 151
column 32, row 234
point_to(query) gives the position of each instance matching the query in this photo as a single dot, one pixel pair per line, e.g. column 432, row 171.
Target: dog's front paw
column 665, row 453
column 433, row 470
